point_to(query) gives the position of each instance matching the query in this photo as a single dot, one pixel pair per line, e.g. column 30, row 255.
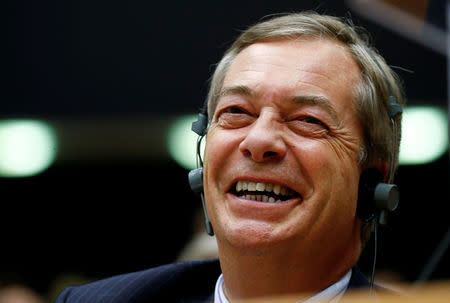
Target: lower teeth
column 262, row 198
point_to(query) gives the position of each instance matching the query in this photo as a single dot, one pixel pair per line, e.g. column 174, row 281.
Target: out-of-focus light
column 182, row 141
column 27, row 147
column 424, row 135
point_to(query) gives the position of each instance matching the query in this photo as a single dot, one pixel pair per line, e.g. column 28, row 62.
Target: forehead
column 319, row 66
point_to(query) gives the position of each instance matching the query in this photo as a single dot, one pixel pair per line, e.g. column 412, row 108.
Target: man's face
column 285, row 132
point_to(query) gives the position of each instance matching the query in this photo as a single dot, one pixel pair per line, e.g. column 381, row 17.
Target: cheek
column 328, row 167
column 333, row 177
column 220, row 147
column 315, row 158
column 336, row 176
column 215, row 149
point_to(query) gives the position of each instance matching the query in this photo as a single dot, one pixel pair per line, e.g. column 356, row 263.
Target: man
column 299, row 109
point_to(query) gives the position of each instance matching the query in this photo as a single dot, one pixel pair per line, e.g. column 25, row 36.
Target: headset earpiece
column 386, row 198
column 196, row 180
column 375, row 198
column 196, row 176
column 199, row 126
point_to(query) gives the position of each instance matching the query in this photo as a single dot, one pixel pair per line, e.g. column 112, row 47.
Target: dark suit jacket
column 185, row 282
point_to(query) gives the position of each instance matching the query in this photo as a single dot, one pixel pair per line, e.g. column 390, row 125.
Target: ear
column 383, row 168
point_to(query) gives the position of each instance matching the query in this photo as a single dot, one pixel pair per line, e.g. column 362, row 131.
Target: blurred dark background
column 110, row 75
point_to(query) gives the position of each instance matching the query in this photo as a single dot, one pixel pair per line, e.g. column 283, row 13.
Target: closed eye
column 234, row 110
column 313, row 120
column 309, row 125
column 234, row 117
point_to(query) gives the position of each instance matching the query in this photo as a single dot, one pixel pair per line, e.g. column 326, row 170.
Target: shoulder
column 168, row 283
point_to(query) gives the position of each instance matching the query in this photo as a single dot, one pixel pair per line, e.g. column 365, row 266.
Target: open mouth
column 263, row 192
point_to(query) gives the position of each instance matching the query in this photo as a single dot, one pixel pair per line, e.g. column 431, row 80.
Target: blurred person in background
column 201, row 246
column 19, row 293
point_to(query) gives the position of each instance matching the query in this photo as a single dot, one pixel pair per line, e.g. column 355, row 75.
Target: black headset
column 376, row 199
column 196, row 176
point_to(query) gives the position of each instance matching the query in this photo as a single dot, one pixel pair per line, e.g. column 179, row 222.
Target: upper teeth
column 262, row 186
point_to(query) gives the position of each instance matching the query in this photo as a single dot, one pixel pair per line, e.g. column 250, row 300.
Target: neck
column 248, row 275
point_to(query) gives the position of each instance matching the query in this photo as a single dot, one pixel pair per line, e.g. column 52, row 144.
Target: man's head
column 371, row 93
column 297, row 110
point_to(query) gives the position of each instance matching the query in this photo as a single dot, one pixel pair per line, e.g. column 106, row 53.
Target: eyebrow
column 241, row 90
column 314, row 100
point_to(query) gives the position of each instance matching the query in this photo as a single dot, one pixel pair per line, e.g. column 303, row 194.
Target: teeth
column 239, row 186
column 262, row 198
column 261, row 187
column 276, row 189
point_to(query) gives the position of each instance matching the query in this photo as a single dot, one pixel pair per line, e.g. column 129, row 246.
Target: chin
column 252, row 237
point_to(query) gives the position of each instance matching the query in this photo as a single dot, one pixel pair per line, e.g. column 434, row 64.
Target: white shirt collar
column 330, row 294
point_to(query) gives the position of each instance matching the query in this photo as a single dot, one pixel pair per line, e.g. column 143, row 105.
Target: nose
column 263, row 142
